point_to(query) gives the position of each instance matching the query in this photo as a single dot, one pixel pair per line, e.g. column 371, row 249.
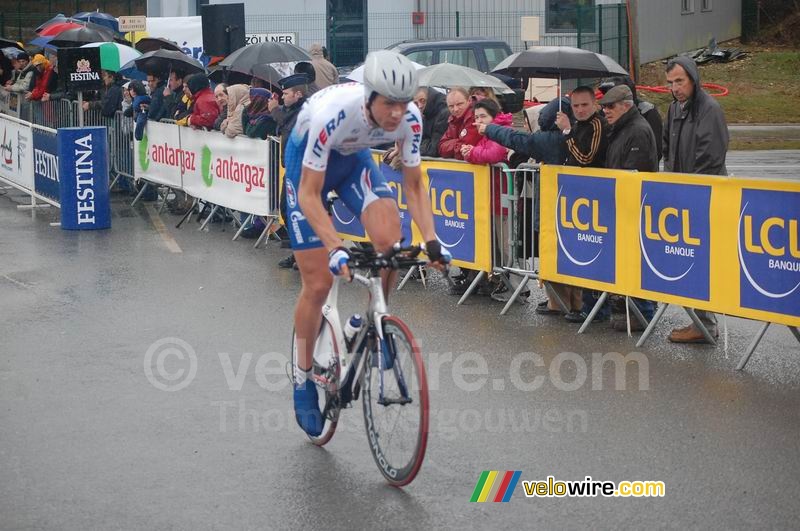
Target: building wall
column 664, row 31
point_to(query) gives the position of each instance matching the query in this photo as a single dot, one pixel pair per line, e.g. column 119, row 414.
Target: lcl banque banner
column 461, row 206
column 728, row 245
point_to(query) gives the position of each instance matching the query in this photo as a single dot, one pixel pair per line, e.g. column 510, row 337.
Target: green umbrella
column 113, row 55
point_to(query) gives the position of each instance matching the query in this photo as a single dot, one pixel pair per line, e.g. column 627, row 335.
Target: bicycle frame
column 352, row 362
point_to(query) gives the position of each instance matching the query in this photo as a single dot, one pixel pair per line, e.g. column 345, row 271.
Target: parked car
column 480, row 53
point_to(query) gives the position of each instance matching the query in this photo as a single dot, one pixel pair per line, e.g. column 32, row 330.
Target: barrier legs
column 189, row 213
column 408, row 277
column 270, row 221
column 552, row 293
column 594, row 312
column 209, row 218
column 247, row 220
column 515, row 295
column 757, row 339
column 701, row 326
column 653, row 322
column 141, row 193
column 472, row 287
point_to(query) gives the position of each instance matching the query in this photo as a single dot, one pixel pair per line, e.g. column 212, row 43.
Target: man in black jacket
column 695, row 141
column 587, row 141
column 435, row 114
column 156, row 111
column 295, row 91
column 631, row 146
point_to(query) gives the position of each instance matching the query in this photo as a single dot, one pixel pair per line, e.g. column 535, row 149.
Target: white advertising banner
column 159, row 157
column 230, row 172
column 16, row 152
column 187, row 32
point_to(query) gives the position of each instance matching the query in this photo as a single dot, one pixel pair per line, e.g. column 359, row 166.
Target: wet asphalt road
column 88, row 442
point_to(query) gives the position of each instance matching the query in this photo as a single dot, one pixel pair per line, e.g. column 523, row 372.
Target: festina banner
column 230, row 172
column 159, row 157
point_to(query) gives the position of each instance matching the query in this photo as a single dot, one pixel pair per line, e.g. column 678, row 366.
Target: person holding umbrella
column 110, row 95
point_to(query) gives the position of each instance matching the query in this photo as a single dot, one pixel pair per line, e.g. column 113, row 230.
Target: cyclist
column 328, row 149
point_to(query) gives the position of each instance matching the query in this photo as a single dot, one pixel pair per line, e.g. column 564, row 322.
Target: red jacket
column 42, row 81
column 460, row 131
column 487, row 151
column 205, row 109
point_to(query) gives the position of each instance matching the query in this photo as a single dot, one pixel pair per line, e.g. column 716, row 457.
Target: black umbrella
column 244, row 59
column 167, row 61
column 80, row 36
column 151, row 44
column 562, row 62
column 10, row 43
column 266, row 73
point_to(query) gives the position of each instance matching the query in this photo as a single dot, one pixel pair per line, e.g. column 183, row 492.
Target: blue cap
column 293, row 81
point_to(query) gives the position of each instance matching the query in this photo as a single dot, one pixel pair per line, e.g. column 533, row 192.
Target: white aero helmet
column 391, row 75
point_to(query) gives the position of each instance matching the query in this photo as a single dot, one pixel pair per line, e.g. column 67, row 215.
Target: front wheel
column 396, row 409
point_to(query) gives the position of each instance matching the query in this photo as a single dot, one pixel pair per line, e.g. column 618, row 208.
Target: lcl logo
column 769, row 245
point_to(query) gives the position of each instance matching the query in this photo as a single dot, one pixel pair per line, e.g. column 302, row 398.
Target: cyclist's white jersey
column 335, row 118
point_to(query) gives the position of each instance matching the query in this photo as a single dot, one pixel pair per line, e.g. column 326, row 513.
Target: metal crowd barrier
column 120, row 136
column 514, row 216
column 52, row 114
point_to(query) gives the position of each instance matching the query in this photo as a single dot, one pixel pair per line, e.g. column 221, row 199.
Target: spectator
column 460, row 126
column 435, row 116
column 127, row 100
column 587, row 142
column 140, row 106
column 548, row 145
column 631, row 146
column 110, row 95
column 173, row 96
column 327, row 74
column 646, row 109
column 42, row 74
column 184, row 109
column 238, row 98
column 477, row 94
column 221, row 97
column 295, row 91
column 256, row 118
column 695, row 141
column 22, row 76
column 205, row 109
column 486, row 151
column 304, row 67
column 158, row 105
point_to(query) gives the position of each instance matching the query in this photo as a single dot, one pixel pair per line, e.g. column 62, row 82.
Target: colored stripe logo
column 495, row 486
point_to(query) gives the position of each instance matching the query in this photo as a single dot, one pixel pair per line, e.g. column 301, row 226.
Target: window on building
column 570, row 16
column 707, row 5
column 461, row 56
column 687, row 7
column 423, row 57
column 494, row 56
